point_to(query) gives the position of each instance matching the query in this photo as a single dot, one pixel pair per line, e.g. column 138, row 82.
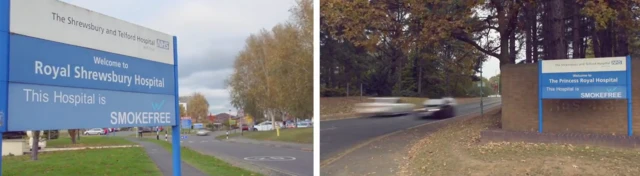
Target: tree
column 411, row 48
column 73, row 134
column 273, row 74
column 183, row 111
column 198, row 107
column 35, row 145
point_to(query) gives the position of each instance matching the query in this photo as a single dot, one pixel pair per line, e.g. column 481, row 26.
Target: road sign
column 198, row 126
column 598, row 78
column 186, row 123
column 66, row 67
column 72, row 71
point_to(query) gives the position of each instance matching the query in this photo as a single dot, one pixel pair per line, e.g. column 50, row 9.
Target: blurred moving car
column 440, row 108
column 94, row 131
column 202, row 132
column 384, row 106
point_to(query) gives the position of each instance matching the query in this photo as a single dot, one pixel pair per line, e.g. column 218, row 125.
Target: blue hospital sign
column 68, row 67
column 601, row 78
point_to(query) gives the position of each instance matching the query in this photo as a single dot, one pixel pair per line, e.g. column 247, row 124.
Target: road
column 291, row 161
column 339, row 135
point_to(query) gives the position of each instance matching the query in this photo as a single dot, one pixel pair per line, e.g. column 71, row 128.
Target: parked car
column 266, row 126
column 95, row 131
column 245, row 127
column 145, row 129
column 14, row 135
column 304, row 124
column 440, row 108
column 384, row 106
column 51, row 134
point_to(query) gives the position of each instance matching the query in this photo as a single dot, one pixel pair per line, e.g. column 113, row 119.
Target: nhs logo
column 157, row 105
column 162, row 44
column 616, row 62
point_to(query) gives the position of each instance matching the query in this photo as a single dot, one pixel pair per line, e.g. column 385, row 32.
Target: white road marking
column 331, row 128
column 270, row 158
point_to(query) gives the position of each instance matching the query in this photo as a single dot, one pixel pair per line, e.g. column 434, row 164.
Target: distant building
column 223, row 118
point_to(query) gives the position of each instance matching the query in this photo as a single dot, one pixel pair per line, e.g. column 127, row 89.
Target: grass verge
column 88, row 141
column 339, row 105
column 120, row 161
column 208, row 164
column 295, row 135
column 454, row 150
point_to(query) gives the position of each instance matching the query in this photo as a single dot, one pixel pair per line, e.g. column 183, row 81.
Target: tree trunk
column 420, row 80
column 72, row 134
column 557, row 43
column 595, row 40
column 34, row 146
column 512, row 47
column 527, row 33
column 622, row 38
column 575, row 29
column 534, row 34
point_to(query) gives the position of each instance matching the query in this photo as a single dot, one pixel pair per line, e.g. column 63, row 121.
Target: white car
column 202, row 132
column 441, row 108
column 266, row 126
column 94, row 131
column 304, row 124
column 384, row 107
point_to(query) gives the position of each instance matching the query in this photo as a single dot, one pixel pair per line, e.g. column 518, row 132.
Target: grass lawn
column 88, row 141
column 454, row 150
column 296, row 135
column 121, row 161
column 205, row 163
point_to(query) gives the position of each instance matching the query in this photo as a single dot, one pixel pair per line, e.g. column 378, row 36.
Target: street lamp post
column 481, row 86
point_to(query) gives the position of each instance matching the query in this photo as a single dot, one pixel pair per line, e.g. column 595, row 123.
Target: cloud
column 210, row 34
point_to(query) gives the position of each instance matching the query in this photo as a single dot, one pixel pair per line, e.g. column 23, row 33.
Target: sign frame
column 145, row 39
column 626, row 84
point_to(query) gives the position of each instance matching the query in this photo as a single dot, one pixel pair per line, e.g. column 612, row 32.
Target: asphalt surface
column 163, row 160
column 283, row 158
column 339, row 135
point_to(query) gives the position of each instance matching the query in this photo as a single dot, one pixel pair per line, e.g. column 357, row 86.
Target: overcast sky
column 210, row 34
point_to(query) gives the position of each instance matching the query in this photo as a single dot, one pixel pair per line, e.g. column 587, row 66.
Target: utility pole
column 360, row 91
column 481, row 87
column 481, row 92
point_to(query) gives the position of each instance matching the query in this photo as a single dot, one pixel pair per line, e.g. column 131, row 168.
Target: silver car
column 384, row 107
column 94, row 131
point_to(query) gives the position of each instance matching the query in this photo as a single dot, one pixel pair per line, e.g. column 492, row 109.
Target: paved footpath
column 164, row 159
